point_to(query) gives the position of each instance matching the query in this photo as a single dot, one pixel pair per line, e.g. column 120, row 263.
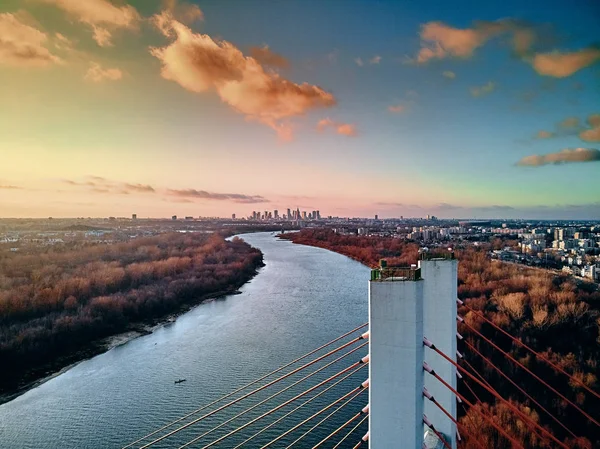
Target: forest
column 56, row 302
column 553, row 314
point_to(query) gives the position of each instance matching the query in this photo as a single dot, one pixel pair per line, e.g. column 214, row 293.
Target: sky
column 462, row 109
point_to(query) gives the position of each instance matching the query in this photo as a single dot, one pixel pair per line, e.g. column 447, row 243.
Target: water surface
column 302, row 298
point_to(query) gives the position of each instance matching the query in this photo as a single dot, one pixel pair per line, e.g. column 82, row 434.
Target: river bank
column 40, row 375
column 291, row 307
column 23, row 377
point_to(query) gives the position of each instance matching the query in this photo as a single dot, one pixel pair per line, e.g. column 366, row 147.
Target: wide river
column 302, row 298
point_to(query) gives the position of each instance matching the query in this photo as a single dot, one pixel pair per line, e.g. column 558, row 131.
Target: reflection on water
column 301, row 299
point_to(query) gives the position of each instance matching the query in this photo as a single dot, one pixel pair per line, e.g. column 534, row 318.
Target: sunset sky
column 208, row 108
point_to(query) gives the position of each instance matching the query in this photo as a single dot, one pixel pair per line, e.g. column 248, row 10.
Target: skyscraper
column 289, row 214
column 276, row 213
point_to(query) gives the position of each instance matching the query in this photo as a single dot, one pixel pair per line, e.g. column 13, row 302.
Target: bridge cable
column 275, row 394
column 464, row 430
column 483, row 379
column 329, row 379
column 523, row 416
column 300, row 406
column 537, row 354
column 539, row 379
column 306, row 365
column 466, row 401
column 324, row 409
column 245, row 386
column 353, row 418
column 489, row 362
column 470, row 418
column 437, row 434
column 361, row 390
column 351, row 431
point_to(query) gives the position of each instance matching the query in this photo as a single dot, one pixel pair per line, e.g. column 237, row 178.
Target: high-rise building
column 376, row 217
column 174, row 217
column 134, row 216
column 318, row 215
column 233, row 216
column 289, row 214
column 304, row 215
column 276, row 213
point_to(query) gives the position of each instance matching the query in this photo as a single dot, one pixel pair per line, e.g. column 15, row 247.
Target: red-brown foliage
column 552, row 314
column 58, row 301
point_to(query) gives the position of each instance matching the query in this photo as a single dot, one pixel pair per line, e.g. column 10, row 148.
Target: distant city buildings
column 291, row 215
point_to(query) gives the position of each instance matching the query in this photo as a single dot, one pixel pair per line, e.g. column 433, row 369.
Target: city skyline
column 354, row 109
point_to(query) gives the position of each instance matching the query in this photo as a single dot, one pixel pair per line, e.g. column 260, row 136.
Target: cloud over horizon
column 568, row 155
column 98, row 184
column 495, row 211
column 204, row 195
column 200, row 64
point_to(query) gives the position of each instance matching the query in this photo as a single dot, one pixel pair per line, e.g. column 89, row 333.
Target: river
column 302, row 298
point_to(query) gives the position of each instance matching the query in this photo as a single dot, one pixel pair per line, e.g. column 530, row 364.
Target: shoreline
column 95, row 348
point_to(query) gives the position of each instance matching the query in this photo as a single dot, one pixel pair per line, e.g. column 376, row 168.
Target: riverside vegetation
column 554, row 314
column 57, row 303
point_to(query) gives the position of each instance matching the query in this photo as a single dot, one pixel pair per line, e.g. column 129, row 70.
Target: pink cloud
column 184, row 12
column 564, row 156
column 561, row 65
column 397, row 109
column 592, row 134
column 439, row 41
column 100, row 12
column 345, row 129
column 544, row 134
column 102, row 36
column 265, row 56
column 200, row 64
